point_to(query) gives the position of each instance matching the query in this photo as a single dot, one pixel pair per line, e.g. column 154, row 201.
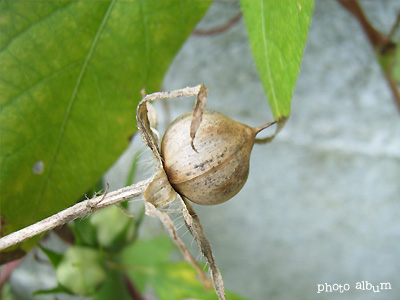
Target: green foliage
column 90, row 271
column 396, row 62
column 84, row 232
column 278, row 32
column 70, row 79
column 81, row 270
column 59, row 289
column 113, row 288
column 149, row 263
column 5, row 292
column 54, row 257
column 114, row 229
column 142, row 257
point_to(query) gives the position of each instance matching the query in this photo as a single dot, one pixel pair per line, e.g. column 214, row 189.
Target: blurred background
column 321, row 204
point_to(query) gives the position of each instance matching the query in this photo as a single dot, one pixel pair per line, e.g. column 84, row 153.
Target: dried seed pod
column 219, row 167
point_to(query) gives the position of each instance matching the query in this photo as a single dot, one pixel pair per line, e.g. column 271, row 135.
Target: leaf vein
column 74, row 95
column 146, row 43
column 35, row 84
column 266, row 56
column 24, row 30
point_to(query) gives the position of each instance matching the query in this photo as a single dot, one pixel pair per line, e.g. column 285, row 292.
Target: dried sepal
column 169, row 225
column 159, row 192
column 142, row 118
column 193, row 223
column 152, row 116
column 197, row 116
column 145, row 129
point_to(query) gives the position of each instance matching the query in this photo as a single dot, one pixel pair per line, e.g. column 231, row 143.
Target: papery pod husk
column 218, row 166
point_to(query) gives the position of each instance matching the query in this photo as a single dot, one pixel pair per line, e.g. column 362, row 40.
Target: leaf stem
column 262, row 127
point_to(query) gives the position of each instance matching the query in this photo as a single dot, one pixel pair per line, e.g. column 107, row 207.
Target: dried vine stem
column 77, row 211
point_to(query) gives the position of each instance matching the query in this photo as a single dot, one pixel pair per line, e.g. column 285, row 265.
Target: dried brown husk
column 160, row 192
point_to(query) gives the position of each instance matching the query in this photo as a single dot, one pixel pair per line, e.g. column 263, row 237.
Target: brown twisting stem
column 380, row 43
column 374, row 36
column 220, row 29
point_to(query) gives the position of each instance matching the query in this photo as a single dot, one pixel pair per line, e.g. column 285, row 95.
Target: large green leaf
column 70, row 79
column 278, row 32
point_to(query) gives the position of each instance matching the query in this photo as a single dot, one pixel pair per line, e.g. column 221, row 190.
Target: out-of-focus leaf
column 114, row 229
column 5, row 292
column 113, row 288
column 278, row 32
column 54, row 257
column 144, row 256
column 179, row 281
column 70, row 79
column 84, row 232
column 81, row 270
column 131, row 176
column 396, row 62
column 149, row 263
column 58, row 289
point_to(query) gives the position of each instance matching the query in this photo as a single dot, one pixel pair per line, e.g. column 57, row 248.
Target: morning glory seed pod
column 218, row 166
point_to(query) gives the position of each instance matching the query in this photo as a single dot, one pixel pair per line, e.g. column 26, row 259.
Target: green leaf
column 143, row 257
column 278, row 32
column 113, row 288
column 81, row 270
column 149, row 263
column 5, row 291
column 54, row 257
column 84, row 232
column 70, row 79
column 179, row 281
column 59, row 289
column 131, row 176
column 396, row 63
column 114, row 229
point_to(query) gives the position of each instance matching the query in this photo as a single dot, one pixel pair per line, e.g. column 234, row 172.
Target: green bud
column 81, row 270
column 114, row 229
